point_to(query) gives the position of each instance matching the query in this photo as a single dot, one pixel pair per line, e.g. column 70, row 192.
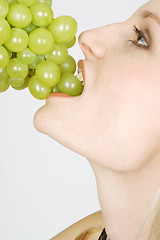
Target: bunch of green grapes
column 34, row 49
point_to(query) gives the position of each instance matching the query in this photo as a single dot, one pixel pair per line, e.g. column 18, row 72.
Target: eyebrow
column 151, row 14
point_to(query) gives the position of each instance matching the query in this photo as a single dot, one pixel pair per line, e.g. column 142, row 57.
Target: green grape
column 26, row 56
column 3, row 74
column 70, row 84
column 59, row 54
column 24, row 85
column 16, row 69
column 70, row 43
column 41, row 41
column 46, row 27
column 4, row 7
column 48, row 73
column 15, row 82
column 46, row 1
column 30, row 28
column 27, row 2
column 11, row 54
column 19, row 15
column 4, row 57
column 5, row 30
column 17, row 41
column 37, row 89
column 42, row 14
column 37, row 60
column 4, row 85
column 63, row 28
column 10, row 2
column 55, row 89
column 68, row 66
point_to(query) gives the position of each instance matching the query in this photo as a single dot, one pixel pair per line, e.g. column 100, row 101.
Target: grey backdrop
column 44, row 186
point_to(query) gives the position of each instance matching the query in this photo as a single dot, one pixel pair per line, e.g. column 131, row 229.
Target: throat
column 126, row 201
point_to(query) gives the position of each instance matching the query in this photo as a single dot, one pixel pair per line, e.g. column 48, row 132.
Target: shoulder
column 88, row 228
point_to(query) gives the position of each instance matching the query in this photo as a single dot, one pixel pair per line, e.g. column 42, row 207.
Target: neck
column 125, row 199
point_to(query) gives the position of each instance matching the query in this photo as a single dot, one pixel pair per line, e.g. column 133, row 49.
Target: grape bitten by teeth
column 34, row 49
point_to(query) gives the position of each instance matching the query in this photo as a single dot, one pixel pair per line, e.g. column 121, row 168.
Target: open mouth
column 80, row 76
column 81, row 71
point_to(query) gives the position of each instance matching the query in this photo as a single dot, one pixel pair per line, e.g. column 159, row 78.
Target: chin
column 38, row 120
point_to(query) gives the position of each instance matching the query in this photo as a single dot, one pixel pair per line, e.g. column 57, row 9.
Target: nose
column 95, row 42
column 91, row 43
column 86, row 49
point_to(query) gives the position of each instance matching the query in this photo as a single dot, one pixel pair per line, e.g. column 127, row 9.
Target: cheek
column 125, row 120
column 66, row 121
column 116, row 123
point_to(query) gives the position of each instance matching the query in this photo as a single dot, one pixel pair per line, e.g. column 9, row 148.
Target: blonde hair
column 155, row 228
column 150, row 229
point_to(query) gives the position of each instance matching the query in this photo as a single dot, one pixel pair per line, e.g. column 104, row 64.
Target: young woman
column 115, row 124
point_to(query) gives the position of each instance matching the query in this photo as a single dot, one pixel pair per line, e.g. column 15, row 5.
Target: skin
column 115, row 123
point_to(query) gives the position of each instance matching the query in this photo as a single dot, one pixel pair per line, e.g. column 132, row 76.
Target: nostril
column 85, row 48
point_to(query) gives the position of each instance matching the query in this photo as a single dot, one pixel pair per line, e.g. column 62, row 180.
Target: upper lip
column 81, row 65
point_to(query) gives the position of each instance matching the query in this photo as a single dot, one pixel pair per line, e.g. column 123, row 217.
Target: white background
column 44, row 187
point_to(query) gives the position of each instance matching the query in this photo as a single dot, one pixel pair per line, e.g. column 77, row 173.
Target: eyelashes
column 141, row 37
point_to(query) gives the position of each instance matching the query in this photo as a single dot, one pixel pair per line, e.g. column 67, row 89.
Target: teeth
column 79, row 70
column 80, row 76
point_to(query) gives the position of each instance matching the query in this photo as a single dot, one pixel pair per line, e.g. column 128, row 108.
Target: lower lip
column 58, row 94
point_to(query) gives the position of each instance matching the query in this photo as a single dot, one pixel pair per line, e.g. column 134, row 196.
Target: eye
column 141, row 40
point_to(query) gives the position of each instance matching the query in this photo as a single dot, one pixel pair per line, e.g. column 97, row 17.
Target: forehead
column 151, row 5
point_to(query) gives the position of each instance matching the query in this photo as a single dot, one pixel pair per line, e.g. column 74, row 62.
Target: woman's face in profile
column 116, row 120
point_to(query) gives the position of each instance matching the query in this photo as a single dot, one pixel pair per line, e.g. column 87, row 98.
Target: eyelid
column 145, row 36
column 141, row 34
